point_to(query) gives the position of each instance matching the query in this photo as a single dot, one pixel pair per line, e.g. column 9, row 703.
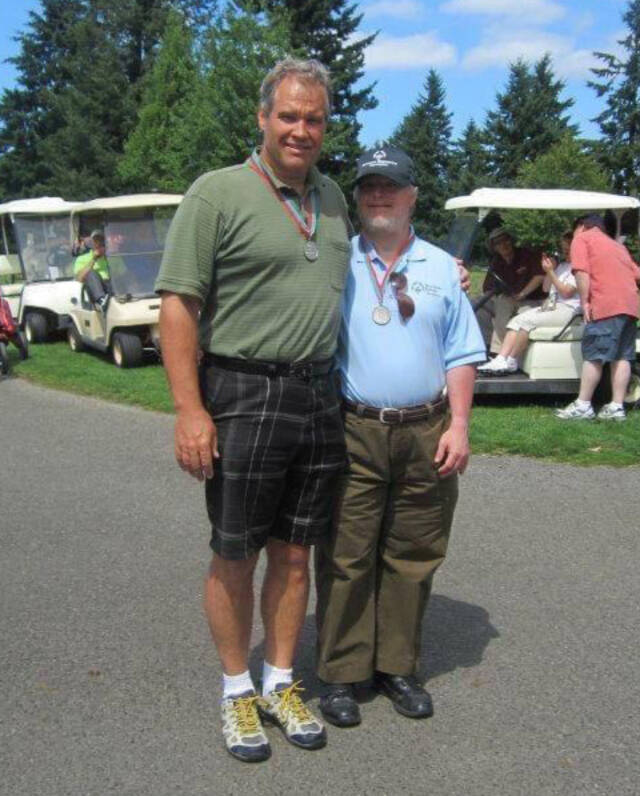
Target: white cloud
column 409, row 52
column 501, row 47
column 399, row 9
column 538, row 12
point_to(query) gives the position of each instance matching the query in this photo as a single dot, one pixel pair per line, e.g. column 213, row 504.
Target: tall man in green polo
column 253, row 273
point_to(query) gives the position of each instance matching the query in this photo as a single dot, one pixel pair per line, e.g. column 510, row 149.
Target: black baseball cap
column 389, row 162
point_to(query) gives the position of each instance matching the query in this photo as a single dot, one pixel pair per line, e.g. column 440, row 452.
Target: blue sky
column 470, row 42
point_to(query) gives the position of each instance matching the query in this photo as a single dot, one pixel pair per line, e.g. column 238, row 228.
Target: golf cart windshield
column 10, row 268
column 135, row 241
column 44, row 247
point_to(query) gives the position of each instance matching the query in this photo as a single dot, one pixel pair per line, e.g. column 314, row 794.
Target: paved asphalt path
column 108, row 683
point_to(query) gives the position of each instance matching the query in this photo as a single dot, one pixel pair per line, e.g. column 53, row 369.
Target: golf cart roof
column 540, row 199
column 43, row 205
column 129, row 201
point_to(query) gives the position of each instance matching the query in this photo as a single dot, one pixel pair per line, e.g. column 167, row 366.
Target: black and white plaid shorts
column 282, row 450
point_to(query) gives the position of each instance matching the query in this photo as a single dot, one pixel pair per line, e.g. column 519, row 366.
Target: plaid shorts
column 282, row 450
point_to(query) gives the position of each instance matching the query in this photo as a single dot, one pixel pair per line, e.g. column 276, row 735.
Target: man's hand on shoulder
column 196, row 442
column 453, row 451
column 465, row 277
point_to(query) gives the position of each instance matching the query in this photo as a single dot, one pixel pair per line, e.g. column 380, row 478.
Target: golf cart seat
column 564, row 334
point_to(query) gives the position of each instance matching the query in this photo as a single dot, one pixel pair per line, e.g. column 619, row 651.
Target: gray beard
column 376, row 224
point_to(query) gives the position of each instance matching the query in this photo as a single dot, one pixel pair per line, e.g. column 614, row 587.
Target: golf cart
column 11, row 275
column 135, row 228
column 553, row 360
column 42, row 237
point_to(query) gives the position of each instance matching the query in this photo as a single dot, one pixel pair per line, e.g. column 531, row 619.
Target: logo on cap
column 379, row 155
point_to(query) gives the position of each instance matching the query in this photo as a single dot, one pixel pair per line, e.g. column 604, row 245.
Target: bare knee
column 288, row 561
column 233, row 575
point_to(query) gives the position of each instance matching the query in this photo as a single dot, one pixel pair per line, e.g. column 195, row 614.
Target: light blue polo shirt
column 404, row 363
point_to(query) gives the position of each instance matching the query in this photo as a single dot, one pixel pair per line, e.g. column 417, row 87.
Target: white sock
column 511, row 361
column 272, row 676
column 236, row 684
column 582, row 404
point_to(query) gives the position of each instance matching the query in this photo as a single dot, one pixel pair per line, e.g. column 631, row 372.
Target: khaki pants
column 390, row 533
column 504, row 308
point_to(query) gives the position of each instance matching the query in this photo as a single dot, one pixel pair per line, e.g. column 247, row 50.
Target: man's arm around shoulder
column 195, row 436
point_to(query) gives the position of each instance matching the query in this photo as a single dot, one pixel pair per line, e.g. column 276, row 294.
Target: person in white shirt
column 561, row 305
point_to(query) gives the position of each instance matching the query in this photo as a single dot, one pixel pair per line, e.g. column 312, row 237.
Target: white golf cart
column 553, row 360
column 135, row 228
column 41, row 229
column 11, row 274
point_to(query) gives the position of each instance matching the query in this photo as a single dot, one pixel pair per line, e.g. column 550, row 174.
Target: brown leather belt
column 393, row 417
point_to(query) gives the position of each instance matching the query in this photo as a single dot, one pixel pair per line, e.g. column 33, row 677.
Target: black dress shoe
column 406, row 693
column 338, row 705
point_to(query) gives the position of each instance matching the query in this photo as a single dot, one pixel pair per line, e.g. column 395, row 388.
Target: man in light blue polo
column 409, row 335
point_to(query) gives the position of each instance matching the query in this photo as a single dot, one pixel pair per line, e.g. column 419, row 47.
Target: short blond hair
column 307, row 71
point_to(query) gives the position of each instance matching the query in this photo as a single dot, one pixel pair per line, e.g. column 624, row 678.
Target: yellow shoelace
column 246, row 715
column 290, row 701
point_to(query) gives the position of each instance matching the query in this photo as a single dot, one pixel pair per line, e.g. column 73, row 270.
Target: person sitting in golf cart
column 561, row 304
column 93, row 269
column 518, row 280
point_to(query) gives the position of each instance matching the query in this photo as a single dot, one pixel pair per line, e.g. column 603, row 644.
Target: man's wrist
column 460, row 423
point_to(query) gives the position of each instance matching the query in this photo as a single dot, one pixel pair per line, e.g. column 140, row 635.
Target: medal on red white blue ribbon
column 304, row 218
column 382, row 315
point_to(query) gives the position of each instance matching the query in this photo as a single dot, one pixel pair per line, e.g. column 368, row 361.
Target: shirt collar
column 312, row 179
column 414, row 253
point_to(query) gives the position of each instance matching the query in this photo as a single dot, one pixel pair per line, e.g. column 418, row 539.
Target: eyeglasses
column 406, row 305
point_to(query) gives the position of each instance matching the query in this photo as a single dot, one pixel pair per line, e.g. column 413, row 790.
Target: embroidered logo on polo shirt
column 425, row 287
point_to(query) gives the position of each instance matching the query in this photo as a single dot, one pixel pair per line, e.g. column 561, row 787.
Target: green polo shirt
column 101, row 267
column 231, row 245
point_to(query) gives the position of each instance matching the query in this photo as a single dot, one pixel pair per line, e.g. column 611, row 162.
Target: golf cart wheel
column 21, row 343
column 74, row 340
column 36, row 327
column 126, row 350
column 4, row 359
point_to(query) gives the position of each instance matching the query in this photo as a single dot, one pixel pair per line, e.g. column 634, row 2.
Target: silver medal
column 311, row 250
column 381, row 315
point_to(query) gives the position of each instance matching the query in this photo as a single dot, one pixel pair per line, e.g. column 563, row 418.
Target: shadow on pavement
column 455, row 635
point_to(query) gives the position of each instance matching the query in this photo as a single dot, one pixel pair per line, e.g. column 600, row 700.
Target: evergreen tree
column 26, row 114
column 237, row 54
column 566, row 165
column 425, row 134
column 469, row 165
column 618, row 82
column 62, row 130
column 93, row 116
column 159, row 153
column 324, row 29
column 529, row 119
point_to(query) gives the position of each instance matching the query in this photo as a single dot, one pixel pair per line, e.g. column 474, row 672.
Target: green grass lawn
column 500, row 425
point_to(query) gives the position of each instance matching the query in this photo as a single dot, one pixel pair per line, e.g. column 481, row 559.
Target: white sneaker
column 612, row 412
column 496, row 365
column 575, row 412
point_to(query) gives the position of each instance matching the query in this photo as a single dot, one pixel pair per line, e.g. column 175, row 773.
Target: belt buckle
column 397, row 417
